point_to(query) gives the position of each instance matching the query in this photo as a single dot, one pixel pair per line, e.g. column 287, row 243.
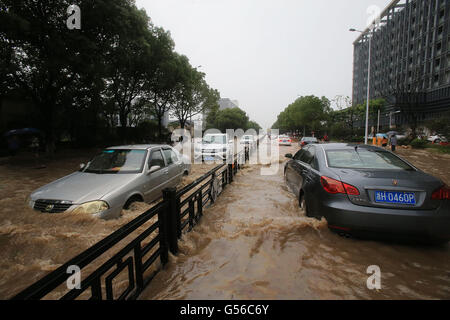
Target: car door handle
column 166, row 171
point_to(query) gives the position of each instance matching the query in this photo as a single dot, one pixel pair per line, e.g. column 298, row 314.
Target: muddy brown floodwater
column 255, row 243
column 33, row 244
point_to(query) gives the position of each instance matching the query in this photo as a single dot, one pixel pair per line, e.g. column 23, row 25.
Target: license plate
column 395, row 197
column 284, row 140
column 209, row 158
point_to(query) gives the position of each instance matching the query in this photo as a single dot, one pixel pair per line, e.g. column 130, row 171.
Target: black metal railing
column 178, row 212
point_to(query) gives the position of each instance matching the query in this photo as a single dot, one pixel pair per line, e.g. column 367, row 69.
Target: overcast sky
column 265, row 53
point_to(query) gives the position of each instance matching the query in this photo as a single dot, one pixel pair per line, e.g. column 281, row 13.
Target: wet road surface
column 255, row 243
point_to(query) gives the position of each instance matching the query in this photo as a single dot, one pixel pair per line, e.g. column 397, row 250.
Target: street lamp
column 368, row 84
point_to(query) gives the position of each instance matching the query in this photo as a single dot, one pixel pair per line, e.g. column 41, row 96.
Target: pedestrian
column 393, row 142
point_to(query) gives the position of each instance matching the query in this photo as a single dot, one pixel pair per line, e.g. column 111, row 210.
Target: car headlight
column 92, row 207
column 29, row 202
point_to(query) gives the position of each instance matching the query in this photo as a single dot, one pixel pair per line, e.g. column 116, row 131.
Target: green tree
column 234, row 118
column 66, row 71
column 211, row 117
column 253, row 125
column 194, row 96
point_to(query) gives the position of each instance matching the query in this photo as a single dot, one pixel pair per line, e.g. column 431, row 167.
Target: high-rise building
column 226, row 103
column 410, row 61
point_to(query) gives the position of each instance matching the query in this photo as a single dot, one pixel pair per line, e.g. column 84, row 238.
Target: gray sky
column 264, row 53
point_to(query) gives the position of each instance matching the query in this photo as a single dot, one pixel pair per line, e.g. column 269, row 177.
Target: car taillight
column 351, row 190
column 334, row 186
column 442, row 193
column 289, row 140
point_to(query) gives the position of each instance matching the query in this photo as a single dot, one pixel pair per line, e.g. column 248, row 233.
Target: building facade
column 410, row 61
column 226, row 103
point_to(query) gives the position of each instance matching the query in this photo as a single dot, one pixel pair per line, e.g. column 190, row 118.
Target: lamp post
column 368, row 84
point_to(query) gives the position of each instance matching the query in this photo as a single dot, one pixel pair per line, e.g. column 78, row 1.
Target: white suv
column 214, row 147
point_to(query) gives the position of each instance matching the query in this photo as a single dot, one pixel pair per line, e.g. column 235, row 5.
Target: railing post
column 191, row 214
column 200, row 204
column 170, row 196
column 163, row 240
column 230, row 173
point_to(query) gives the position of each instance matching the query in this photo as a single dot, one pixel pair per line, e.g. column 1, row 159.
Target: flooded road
column 255, row 243
column 33, row 244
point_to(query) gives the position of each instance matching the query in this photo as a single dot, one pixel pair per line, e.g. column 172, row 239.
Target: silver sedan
column 112, row 180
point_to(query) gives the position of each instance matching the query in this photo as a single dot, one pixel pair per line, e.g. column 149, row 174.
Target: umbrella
column 22, row 131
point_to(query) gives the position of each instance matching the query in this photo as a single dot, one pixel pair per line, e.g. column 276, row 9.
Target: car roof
column 348, row 146
column 138, row 147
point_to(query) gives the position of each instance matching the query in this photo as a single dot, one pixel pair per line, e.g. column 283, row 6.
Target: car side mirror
column 154, row 169
column 289, row 155
column 82, row 165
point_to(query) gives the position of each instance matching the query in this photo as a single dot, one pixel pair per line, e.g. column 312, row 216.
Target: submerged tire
column 302, row 204
column 132, row 200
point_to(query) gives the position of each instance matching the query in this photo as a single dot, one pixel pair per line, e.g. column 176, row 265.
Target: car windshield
column 117, row 161
column 309, row 139
column 215, row 140
column 365, row 159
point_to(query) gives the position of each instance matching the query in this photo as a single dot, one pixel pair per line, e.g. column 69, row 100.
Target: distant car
column 307, row 140
column 438, row 138
column 284, row 140
column 248, row 140
column 366, row 191
column 112, row 180
column 214, row 147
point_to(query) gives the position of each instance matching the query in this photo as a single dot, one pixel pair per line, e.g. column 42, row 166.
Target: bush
column 441, row 148
column 419, row 143
column 404, row 141
column 356, row 139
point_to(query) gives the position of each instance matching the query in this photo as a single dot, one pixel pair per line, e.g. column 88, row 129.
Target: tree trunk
column 159, row 128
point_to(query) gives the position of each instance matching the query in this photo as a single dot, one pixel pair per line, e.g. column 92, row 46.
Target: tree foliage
column 117, row 70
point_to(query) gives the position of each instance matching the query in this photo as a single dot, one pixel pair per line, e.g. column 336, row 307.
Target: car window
column 170, row 156
column 308, row 156
column 365, row 159
column 299, row 154
column 219, row 139
column 156, row 159
column 117, row 161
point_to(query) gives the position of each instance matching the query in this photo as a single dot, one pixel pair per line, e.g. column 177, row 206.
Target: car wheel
column 303, row 206
column 131, row 201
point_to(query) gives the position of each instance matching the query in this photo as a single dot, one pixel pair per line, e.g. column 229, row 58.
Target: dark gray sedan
column 368, row 191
